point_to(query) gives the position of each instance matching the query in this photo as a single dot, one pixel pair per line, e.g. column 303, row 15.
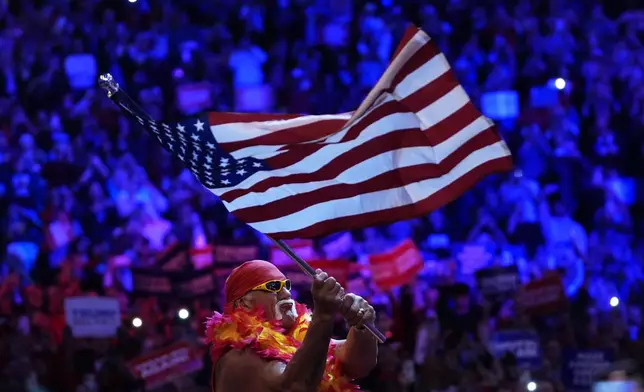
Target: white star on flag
column 199, row 125
column 241, row 172
column 194, row 137
column 257, row 164
column 181, row 128
column 225, row 182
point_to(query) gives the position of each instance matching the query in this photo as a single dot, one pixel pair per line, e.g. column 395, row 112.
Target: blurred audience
column 86, row 196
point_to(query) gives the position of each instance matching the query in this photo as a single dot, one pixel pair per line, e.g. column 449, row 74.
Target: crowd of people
column 85, row 195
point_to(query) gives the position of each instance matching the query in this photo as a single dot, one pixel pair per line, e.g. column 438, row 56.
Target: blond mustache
column 278, row 308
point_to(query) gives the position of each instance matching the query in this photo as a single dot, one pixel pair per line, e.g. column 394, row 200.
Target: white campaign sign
column 92, row 317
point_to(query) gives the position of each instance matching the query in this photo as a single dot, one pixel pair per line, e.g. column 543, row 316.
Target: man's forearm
column 305, row 370
column 359, row 354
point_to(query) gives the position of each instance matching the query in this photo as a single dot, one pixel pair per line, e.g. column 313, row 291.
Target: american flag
column 415, row 143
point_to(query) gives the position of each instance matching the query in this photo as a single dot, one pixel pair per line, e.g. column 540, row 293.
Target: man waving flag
column 416, row 143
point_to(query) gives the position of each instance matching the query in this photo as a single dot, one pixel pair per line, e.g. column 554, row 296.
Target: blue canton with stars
column 193, row 143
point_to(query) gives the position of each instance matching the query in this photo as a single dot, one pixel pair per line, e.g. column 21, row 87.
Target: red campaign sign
column 237, row 253
column 544, row 296
column 162, row 366
column 173, row 257
column 339, row 269
column 202, row 257
column 396, row 267
column 303, row 248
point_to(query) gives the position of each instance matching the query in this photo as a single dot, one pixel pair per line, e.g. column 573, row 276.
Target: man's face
column 277, row 306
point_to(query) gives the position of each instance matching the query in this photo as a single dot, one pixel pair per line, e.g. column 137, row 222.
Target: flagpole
column 306, row 267
column 119, row 97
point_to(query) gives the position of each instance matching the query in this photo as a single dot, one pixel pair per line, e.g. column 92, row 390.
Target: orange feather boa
column 243, row 329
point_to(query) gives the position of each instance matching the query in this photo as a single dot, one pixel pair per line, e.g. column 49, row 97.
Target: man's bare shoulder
column 243, row 370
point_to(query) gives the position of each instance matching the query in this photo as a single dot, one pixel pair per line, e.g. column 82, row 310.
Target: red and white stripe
column 416, row 143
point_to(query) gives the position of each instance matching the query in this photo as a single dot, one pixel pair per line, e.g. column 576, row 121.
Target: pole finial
column 107, row 83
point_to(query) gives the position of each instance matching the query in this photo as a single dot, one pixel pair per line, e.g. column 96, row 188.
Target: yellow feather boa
column 244, row 329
